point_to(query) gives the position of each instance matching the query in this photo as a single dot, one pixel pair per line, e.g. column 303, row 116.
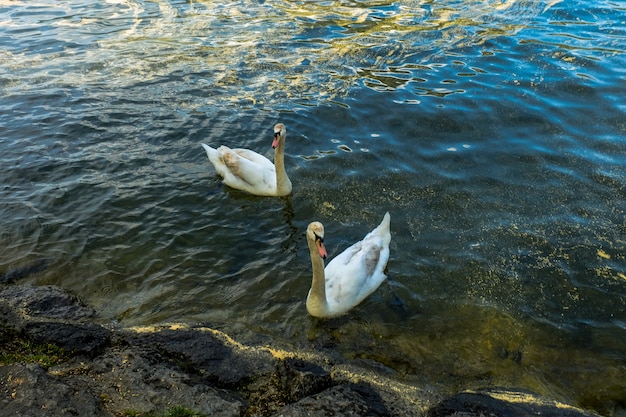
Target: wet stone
column 25, row 302
column 78, row 338
column 202, row 353
column 29, row 390
column 505, row 403
column 341, row 400
column 298, row 379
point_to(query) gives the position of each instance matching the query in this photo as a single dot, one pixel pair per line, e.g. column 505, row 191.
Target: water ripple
column 250, row 53
column 492, row 130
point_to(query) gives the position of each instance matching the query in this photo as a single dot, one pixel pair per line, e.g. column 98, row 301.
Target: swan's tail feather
column 214, row 158
column 386, row 220
column 210, row 152
column 383, row 229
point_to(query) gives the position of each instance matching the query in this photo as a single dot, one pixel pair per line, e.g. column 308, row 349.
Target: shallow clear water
column 492, row 131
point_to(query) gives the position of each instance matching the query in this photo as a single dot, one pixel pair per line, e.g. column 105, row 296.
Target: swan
column 246, row 170
column 351, row 276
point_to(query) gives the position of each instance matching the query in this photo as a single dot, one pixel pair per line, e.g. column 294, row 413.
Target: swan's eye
column 321, row 239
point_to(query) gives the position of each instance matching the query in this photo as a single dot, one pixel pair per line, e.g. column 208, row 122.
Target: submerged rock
column 12, row 275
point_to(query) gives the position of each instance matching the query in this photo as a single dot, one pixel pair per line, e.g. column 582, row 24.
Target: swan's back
column 243, row 169
column 359, row 270
column 383, row 230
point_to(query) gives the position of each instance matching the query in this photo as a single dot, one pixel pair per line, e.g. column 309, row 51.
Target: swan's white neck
column 283, row 184
column 316, row 303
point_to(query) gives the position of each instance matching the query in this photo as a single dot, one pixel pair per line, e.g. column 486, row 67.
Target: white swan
column 351, row 276
column 246, row 170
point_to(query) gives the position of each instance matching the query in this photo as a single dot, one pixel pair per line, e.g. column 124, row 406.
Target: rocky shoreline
column 100, row 371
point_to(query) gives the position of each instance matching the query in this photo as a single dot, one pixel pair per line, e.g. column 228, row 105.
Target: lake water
column 494, row 132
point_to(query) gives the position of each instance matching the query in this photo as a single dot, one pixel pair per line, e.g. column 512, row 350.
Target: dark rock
column 125, row 380
column 201, row 352
column 292, row 380
column 25, row 302
column 341, row 400
column 28, row 390
column 79, row 338
column 502, row 403
column 297, row 379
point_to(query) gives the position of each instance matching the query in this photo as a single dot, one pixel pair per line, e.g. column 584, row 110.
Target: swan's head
column 279, row 134
column 315, row 233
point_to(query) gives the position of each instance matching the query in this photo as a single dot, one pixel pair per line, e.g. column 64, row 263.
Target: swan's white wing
column 245, row 174
column 243, row 169
column 359, row 270
column 356, row 273
column 213, row 156
column 255, row 157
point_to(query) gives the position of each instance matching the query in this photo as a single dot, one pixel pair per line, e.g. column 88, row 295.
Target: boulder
column 124, row 381
column 338, row 401
column 200, row 351
column 29, row 390
column 502, row 403
column 79, row 338
column 22, row 303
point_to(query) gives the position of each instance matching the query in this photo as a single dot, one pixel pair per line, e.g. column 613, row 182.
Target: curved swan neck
column 316, row 301
column 283, row 185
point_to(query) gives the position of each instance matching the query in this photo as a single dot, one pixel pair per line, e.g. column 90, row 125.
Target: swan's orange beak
column 320, row 248
column 276, row 139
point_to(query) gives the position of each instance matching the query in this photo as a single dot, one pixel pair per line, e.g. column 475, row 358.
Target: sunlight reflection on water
column 253, row 53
